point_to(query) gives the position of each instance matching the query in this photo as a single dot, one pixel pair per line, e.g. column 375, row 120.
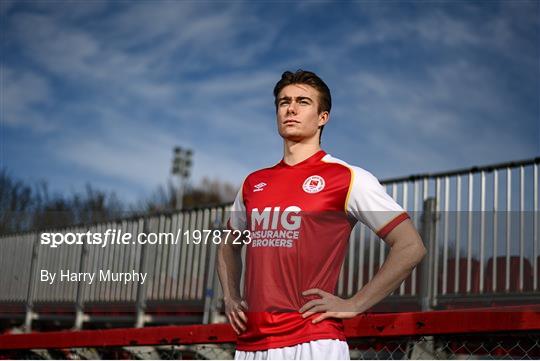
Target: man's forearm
column 230, row 270
column 398, row 265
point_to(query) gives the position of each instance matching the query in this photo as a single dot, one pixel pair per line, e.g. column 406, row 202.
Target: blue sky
column 101, row 92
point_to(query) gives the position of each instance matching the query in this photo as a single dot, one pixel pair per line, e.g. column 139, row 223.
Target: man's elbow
column 228, row 247
column 420, row 251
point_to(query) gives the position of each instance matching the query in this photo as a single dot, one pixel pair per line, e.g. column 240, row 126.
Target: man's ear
column 323, row 118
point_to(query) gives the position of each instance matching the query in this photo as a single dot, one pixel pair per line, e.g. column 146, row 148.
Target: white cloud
column 453, row 113
column 192, row 36
column 22, row 93
column 88, row 60
column 135, row 152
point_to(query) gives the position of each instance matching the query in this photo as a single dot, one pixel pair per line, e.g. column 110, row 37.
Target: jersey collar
column 308, row 161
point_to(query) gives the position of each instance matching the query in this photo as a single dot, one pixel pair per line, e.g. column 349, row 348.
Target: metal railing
column 479, row 225
column 494, row 333
column 483, row 236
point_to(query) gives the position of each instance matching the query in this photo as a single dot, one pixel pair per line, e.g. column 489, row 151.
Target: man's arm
column 229, row 265
column 406, row 251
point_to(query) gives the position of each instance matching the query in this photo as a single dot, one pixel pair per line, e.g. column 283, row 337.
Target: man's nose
column 291, row 108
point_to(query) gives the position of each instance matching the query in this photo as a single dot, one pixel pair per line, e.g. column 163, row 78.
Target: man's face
column 297, row 113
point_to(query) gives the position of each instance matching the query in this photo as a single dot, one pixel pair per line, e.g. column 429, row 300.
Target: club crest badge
column 313, row 184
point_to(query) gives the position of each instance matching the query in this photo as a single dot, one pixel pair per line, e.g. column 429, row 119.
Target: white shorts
column 313, row 350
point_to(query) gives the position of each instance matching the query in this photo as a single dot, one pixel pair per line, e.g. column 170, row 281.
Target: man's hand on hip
column 329, row 305
column 235, row 310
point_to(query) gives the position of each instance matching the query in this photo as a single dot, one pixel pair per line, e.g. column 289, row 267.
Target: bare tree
column 207, row 193
column 25, row 207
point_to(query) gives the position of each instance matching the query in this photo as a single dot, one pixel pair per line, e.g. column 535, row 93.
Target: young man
column 300, row 213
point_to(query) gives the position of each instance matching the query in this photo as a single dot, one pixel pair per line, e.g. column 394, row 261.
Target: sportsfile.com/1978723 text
column 119, row 237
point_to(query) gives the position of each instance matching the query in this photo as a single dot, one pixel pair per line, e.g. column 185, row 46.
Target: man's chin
column 291, row 134
column 293, row 138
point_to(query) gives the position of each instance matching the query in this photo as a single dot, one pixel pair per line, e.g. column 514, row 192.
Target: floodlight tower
column 181, row 168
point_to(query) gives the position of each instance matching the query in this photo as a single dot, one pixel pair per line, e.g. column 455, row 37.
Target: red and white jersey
column 300, row 218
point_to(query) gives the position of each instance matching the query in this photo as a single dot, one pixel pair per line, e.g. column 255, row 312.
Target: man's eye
column 304, row 102
column 283, row 103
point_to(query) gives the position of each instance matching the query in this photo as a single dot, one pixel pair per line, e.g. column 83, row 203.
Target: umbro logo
column 259, row 187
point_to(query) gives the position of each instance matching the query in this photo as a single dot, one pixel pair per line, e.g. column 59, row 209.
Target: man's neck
column 294, row 153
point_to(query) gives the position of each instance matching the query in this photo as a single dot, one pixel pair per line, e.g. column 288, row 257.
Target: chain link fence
column 448, row 347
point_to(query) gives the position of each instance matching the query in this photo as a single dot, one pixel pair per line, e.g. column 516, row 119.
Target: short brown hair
column 308, row 78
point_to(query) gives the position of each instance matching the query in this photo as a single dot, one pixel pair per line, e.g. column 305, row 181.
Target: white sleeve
column 369, row 203
column 237, row 215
